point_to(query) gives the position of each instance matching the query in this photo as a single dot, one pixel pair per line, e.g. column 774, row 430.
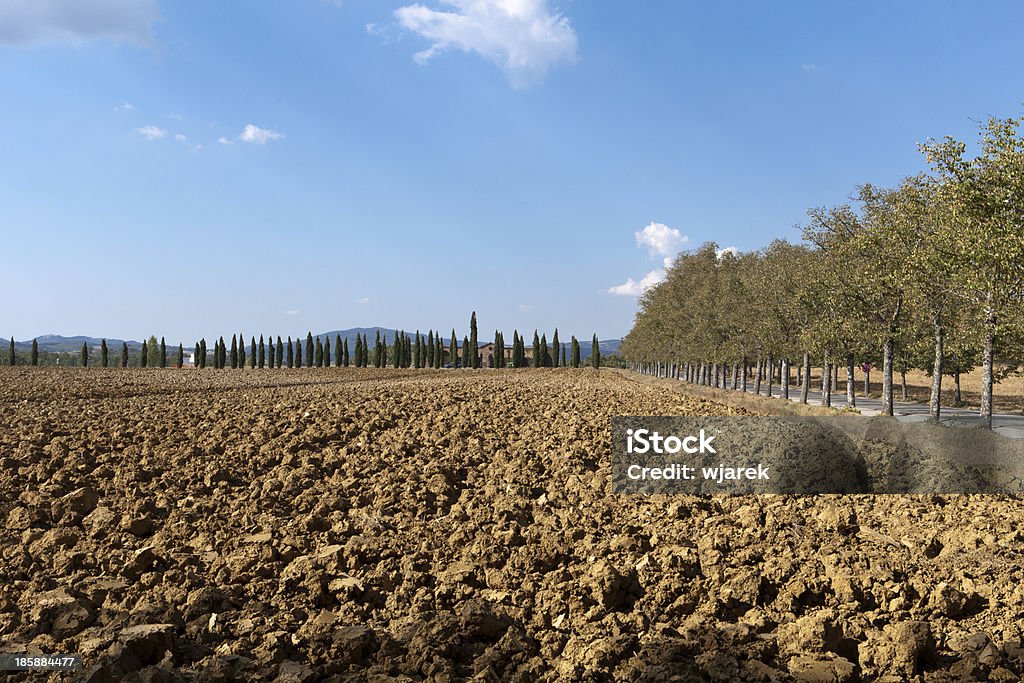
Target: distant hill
column 55, row 343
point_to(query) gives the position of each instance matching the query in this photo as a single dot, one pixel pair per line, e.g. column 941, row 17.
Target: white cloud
column 525, row 307
column 524, row 37
column 179, row 137
column 125, row 106
column 633, row 288
column 224, row 141
column 292, row 312
column 728, row 250
column 151, row 132
column 362, row 302
column 812, row 67
column 662, row 242
column 660, row 239
column 258, row 136
column 35, row 22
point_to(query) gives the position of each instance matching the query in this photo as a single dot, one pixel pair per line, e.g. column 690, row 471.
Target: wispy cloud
column 524, row 37
column 224, row 141
column 151, row 132
column 661, row 242
column 524, row 308
column 35, row 22
column 179, row 137
column 811, row 67
column 258, row 136
column 291, row 312
column 363, row 301
column 125, row 106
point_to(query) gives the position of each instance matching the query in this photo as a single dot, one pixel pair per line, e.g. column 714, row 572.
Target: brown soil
column 382, row 525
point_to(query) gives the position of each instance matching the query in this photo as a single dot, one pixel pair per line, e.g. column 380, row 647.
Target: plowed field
column 418, row 525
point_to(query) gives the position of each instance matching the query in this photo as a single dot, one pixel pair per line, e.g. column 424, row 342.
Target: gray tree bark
column 805, row 385
column 887, row 354
column 851, row 398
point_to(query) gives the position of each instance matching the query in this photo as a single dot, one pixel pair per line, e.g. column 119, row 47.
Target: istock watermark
column 808, row 455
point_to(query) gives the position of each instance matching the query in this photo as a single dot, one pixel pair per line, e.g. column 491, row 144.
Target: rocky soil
column 388, row 525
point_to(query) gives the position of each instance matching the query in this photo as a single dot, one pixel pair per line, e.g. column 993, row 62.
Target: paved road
column 1008, row 425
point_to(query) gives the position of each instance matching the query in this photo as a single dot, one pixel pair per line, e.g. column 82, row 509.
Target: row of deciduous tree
column 928, row 275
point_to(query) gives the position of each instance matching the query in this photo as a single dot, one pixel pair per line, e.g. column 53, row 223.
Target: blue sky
column 195, row 169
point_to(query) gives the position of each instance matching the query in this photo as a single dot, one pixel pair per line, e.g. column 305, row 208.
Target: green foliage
column 124, row 354
column 85, row 355
column 595, row 353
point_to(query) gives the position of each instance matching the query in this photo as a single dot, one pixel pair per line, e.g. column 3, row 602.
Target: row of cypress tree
column 417, row 351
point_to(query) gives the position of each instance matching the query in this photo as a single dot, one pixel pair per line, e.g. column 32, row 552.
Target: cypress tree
column 537, row 358
column 124, row 354
column 270, row 351
column 595, row 354
column 338, row 353
column 145, row 354
column 545, row 354
column 85, row 355
column 34, row 358
column 359, row 350
column 319, row 358
column 557, row 347
column 430, row 348
column 309, row 349
column 280, row 352
column 252, row 352
column 11, row 358
column 234, row 352
column 163, row 351
column 376, row 351
column 261, row 356
column 181, row 356
column 438, row 352
column 291, row 353
column 202, row 352
column 575, row 357
column 453, row 352
column 241, row 351
column 474, row 350
column 327, row 352
column 416, row 351
column 397, row 351
column 103, row 353
column 563, row 357
column 344, row 352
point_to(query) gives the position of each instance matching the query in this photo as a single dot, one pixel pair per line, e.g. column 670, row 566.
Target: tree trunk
column 771, row 373
column 887, row 354
column 867, row 382
column 903, row 384
column 805, row 385
column 988, row 355
column 957, row 396
column 826, row 382
column 735, row 376
column 757, row 377
column 851, row 397
column 743, row 379
column 785, row 378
